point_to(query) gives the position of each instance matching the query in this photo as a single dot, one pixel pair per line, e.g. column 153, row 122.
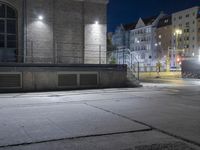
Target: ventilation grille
column 88, row 80
column 10, row 81
column 78, row 79
column 67, row 80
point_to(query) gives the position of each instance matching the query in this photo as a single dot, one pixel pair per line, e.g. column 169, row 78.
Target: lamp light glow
column 178, row 32
column 40, row 17
column 96, row 22
column 193, row 54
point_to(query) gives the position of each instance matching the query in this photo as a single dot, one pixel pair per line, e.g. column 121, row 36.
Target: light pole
column 176, row 34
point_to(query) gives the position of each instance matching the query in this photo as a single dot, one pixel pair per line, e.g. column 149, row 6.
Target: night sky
column 128, row 11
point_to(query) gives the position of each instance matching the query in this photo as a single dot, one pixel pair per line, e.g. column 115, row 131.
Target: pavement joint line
column 61, row 103
column 150, row 126
column 71, row 94
column 74, row 138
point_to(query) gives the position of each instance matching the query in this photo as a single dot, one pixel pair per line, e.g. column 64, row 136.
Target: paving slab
column 150, row 140
column 42, row 123
column 175, row 114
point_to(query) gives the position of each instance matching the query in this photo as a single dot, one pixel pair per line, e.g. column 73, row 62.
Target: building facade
column 120, row 38
column 198, row 30
column 143, row 41
column 185, row 34
column 53, row 31
column 140, row 39
column 163, row 40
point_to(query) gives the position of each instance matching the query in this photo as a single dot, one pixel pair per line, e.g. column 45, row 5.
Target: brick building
column 53, row 31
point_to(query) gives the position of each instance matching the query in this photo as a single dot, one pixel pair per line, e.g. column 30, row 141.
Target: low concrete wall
column 44, row 77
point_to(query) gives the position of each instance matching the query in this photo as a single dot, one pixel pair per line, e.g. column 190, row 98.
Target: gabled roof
column 165, row 21
column 150, row 20
column 130, row 26
column 147, row 21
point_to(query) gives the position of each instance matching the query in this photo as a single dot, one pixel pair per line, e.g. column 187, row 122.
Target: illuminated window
column 166, row 20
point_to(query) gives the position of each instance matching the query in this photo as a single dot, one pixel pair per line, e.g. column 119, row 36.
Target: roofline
column 95, row 1
column 177, row 12
column 142, row 27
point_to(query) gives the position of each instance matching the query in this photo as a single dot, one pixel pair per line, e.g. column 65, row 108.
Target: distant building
column 53, row 31
column 163, row 40
column 120, row 38
column 143, row 41
column 198, row 32
column 185, row 42
column 140, row 39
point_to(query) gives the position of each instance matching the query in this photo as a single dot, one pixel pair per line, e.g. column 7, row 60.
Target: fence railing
column 70, row 53
column 125, row 56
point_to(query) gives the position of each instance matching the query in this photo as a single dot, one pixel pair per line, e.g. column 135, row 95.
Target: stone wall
column 95, row 33
column 42, row 77
column 67, row 34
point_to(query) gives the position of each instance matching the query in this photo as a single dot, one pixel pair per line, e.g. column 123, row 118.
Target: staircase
column 125, row 56
column 132, row 81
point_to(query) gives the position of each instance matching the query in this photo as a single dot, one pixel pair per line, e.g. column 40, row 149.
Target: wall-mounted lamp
column 193, row 54
column 40, row 17
column 96, row 22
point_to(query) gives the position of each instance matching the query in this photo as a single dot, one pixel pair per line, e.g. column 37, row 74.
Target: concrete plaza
column 156, row 116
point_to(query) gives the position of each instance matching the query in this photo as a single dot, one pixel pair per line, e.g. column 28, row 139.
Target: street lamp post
column 176, row 34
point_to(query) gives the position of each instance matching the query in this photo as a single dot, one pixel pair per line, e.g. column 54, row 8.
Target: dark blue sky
column 128, row 11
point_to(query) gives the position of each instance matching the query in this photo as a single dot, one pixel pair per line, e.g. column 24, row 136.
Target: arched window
column 8, row 33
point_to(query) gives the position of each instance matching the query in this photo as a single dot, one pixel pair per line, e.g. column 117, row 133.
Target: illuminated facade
column 53, row 31
column 186, row 22
column 140, row 39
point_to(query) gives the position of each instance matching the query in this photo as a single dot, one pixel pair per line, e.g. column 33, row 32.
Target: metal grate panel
column 67, row 80
column 88, row 79
column 10, row 81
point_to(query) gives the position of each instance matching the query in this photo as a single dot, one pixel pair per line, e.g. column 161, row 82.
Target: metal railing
column 125, row 56
column 58, row 53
